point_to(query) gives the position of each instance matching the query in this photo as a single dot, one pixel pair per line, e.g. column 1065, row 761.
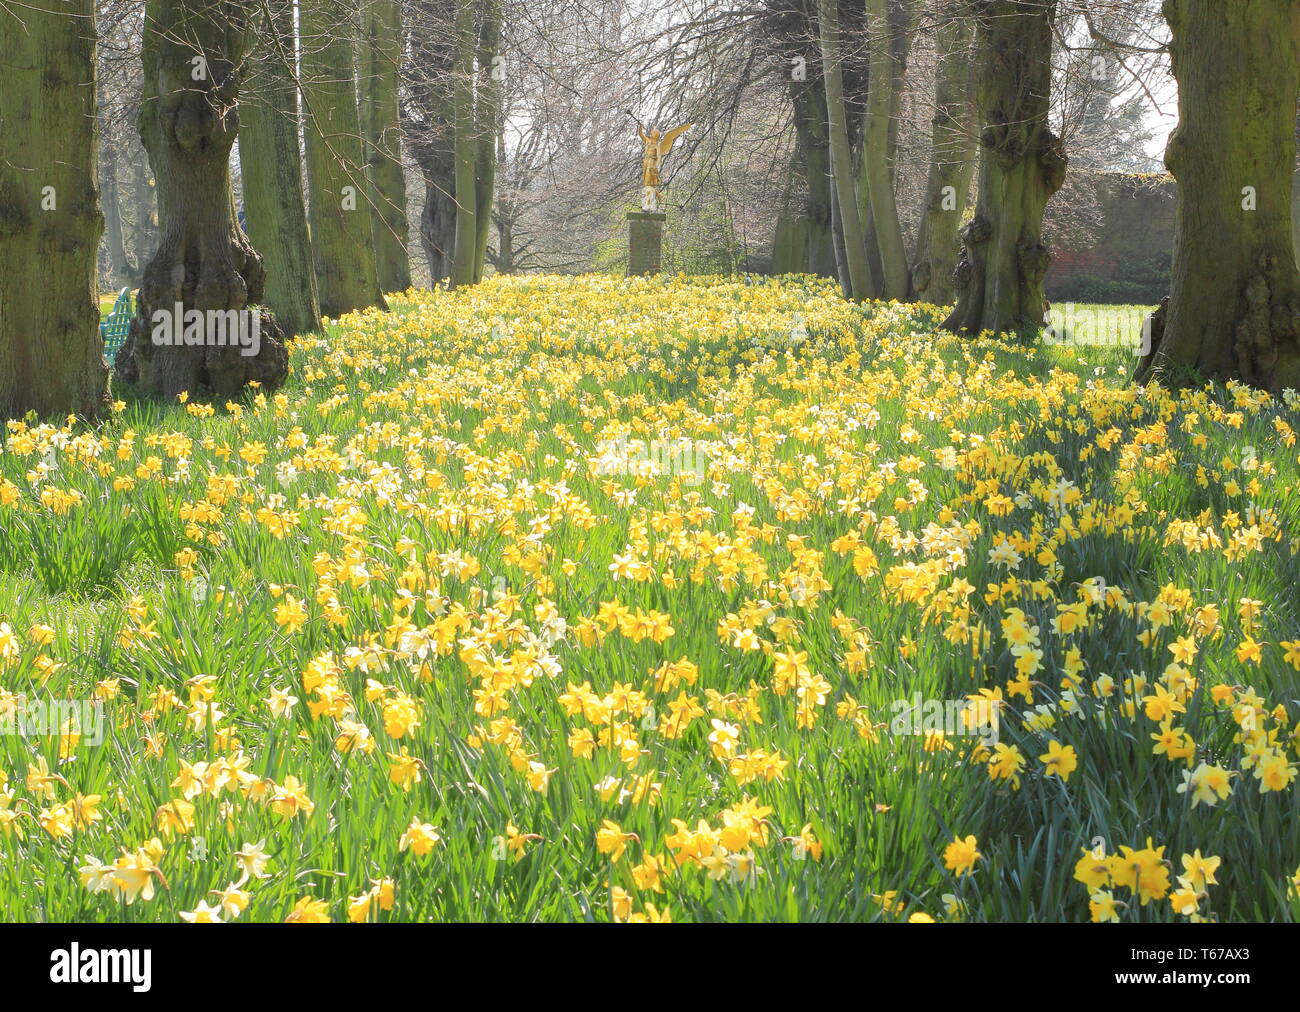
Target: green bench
column 118, row 324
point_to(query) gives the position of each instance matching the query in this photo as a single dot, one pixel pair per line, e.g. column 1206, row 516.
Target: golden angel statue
column 657, row 147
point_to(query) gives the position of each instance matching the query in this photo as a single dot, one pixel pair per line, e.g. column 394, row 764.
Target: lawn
column 613, row 599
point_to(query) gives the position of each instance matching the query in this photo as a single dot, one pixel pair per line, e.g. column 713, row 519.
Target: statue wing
column 666, row 143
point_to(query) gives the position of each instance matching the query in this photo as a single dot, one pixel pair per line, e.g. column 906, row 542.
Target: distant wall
column 1126, row 257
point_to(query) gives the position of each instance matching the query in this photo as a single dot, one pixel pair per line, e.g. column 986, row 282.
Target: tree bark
column 382, row 52
column 1234, row 306
column 466, row 148
column 192, row 53
column 432, row 133
column 859, row 285
column 124, row 272
column 487, row 115
column 952, row 164
column 811, row 135
column 144, row 204
column 1295, row 197
column 270, row 158
column 51, row 355
column 342, row 238
column 876, row 156
column 1000, row 272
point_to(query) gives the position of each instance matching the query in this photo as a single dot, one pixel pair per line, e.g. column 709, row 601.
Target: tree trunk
column 876, row 154
column 271, row 160
column 811, row 135
column 51, row 355
column 505, row 262
column 1000, row 273
column 341, row 234
column 192, row 53
column 487, row 115
column 124, row 272
column 382, row 52
column 432, row 131
column 952, row 164
column 144, row 205
column 859, row 279
column 466, row 148
column 1234, row 306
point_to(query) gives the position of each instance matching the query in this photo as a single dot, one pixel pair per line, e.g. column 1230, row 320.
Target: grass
column 608, row 591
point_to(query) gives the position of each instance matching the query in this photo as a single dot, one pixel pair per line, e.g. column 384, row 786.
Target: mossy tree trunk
column 1003, row 262
column 952, row 165
column 341, row 233
column 1295, row 197
column 270, row 158
column 381, row 38
column 51, row 355
column 193, row 52
column 1234, row 302
column 813, row 141
column 877, row 171
column 858, row 276
column 466, row 150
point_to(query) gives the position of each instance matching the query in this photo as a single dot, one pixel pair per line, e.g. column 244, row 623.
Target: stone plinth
column 645, row 242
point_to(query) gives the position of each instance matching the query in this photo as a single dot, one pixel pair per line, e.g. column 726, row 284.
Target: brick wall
column 1136, row 225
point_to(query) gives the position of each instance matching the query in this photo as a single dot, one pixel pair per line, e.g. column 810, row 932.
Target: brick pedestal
column 645, row 241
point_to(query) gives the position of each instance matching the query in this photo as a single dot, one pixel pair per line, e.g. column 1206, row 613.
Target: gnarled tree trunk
column 271, row 160
column 51, row 355
column 1003, row 261
column 952, row 164
column 1234, row 305
column 192, row 54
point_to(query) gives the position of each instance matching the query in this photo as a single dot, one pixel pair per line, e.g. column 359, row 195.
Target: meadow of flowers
column 594, row 598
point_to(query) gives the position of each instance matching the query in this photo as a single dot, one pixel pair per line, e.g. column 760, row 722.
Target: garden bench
column 118, row 324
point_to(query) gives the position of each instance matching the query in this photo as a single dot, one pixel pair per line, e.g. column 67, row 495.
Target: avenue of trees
column 306, row 158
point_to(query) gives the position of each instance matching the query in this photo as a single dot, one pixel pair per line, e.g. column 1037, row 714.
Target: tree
column 124, row 272
column 1234, row 302
column 1003, row 261
column 859, row 279
column 952, row 164
column 271, row 162
column 193, row 52
column 381, row 51
column 877, row 171
column 429, row 121
column 487, row 115
column 341, row 233
column 51, row 355
column 466, row 147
